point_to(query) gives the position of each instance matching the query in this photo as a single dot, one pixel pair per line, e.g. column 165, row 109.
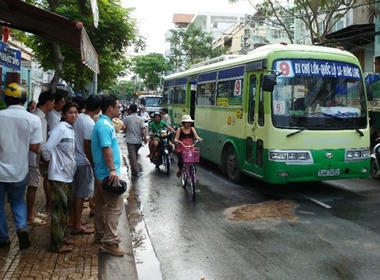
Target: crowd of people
column 71, row 149
column 60, row 147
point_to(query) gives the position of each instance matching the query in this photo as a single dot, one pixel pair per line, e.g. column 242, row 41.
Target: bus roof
column 261, row 53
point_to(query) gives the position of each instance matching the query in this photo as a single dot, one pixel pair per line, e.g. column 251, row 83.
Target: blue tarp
column 372, row 78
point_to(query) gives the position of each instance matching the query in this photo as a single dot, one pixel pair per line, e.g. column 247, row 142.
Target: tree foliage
column 150, row 68
column 125, row 90
column 116, row 31
column 191, row 45
column 318, row 16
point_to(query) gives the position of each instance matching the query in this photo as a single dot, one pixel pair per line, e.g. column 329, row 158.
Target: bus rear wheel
column 232, row 165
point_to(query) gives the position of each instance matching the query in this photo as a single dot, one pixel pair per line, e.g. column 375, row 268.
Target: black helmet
column 116, row 189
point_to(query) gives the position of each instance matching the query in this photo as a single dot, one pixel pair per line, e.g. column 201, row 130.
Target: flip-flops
column 37, row 222
column 62, row 250
column 83, row 231
column 68, row 241
column 41, row 215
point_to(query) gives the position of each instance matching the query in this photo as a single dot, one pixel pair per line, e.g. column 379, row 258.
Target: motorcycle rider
column 156, row 125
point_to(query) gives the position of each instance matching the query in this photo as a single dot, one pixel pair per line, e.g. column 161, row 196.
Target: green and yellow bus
column 283, row 113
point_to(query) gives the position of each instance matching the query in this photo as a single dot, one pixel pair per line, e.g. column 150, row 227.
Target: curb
column 112, row 267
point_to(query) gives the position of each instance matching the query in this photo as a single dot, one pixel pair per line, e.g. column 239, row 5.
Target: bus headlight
column 277, row 156
column 357, row 154
column 291, row 157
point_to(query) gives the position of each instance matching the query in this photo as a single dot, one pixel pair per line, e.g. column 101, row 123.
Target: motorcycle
column 162, row 156
column 375, row 161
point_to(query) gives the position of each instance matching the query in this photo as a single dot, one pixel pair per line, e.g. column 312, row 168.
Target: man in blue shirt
column 106, row 155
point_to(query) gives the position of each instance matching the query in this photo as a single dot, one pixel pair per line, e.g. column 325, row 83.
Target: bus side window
column 251, row 101
column 182, row 96
column 177, row 93
column 261, row 106
column 165, row 96
column 229, row 93
column 171, row 96
column 206, row 94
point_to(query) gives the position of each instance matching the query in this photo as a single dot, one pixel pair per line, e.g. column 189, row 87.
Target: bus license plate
column 327, row 173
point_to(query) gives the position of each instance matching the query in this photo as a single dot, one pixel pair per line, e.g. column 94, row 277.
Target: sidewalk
column 84, row 262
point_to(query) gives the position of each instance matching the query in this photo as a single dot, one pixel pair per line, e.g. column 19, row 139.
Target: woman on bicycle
column 186, row 134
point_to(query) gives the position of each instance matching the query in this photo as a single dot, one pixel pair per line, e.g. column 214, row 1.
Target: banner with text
column 323, row 68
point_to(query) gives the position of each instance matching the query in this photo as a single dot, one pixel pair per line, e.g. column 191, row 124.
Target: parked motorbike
column 375, row 161
column 162, row 156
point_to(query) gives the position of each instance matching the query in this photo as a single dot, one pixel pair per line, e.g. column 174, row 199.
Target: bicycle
column 190, row 156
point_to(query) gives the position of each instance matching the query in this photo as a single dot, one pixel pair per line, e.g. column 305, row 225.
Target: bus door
column 192, row 88
column 192, row 103
column 254, row 125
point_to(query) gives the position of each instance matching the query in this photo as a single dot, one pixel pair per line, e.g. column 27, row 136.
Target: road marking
column 314, row 200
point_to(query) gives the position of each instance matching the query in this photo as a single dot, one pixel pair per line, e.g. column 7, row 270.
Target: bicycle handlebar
column 187, row 146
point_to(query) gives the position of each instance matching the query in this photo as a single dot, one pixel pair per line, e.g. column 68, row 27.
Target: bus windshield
column 152, row 101
column 315, row 94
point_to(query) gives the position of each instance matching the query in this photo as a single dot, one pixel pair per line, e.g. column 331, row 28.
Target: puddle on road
column 147, row 264
column 269, row 210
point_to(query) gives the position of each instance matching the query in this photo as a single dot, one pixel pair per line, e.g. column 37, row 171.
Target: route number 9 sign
column 285, row 67
column 237, row 90
column 279, row 107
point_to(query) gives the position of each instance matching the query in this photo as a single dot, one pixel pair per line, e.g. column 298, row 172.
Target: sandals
column 68, row 241
column 41, row 215
column 83, row 231
column 37, row 222
column 62, row 250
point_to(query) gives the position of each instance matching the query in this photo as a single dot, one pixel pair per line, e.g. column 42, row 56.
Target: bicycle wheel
column 167, row 163
column 192, row 180
column 184, row 177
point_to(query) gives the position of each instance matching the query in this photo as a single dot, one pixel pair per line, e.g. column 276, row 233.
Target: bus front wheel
column 232, row 165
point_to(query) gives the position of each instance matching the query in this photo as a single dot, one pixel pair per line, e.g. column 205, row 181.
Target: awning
column 359, row 33
column 20, row 15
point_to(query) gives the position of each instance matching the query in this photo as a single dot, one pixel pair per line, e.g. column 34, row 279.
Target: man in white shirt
column 20, row 132
column 36, row 169
column 83, row 183
column 54, row 116
column 165, row 116
column 134, row 132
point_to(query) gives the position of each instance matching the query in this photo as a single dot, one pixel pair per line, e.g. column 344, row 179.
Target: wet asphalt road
column 190, row 240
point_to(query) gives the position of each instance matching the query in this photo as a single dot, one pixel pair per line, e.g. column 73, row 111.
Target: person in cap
column 20, row 132
column 186, row 134
column 156, row 125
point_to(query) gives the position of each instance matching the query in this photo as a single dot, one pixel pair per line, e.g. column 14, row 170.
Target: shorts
column 83, row 183
column 34, row 176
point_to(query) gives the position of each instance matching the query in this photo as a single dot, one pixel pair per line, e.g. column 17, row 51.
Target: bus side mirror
column 369, row 92
column 269, row 81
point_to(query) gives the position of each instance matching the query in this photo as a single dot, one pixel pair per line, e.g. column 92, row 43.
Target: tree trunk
column 58, row 67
